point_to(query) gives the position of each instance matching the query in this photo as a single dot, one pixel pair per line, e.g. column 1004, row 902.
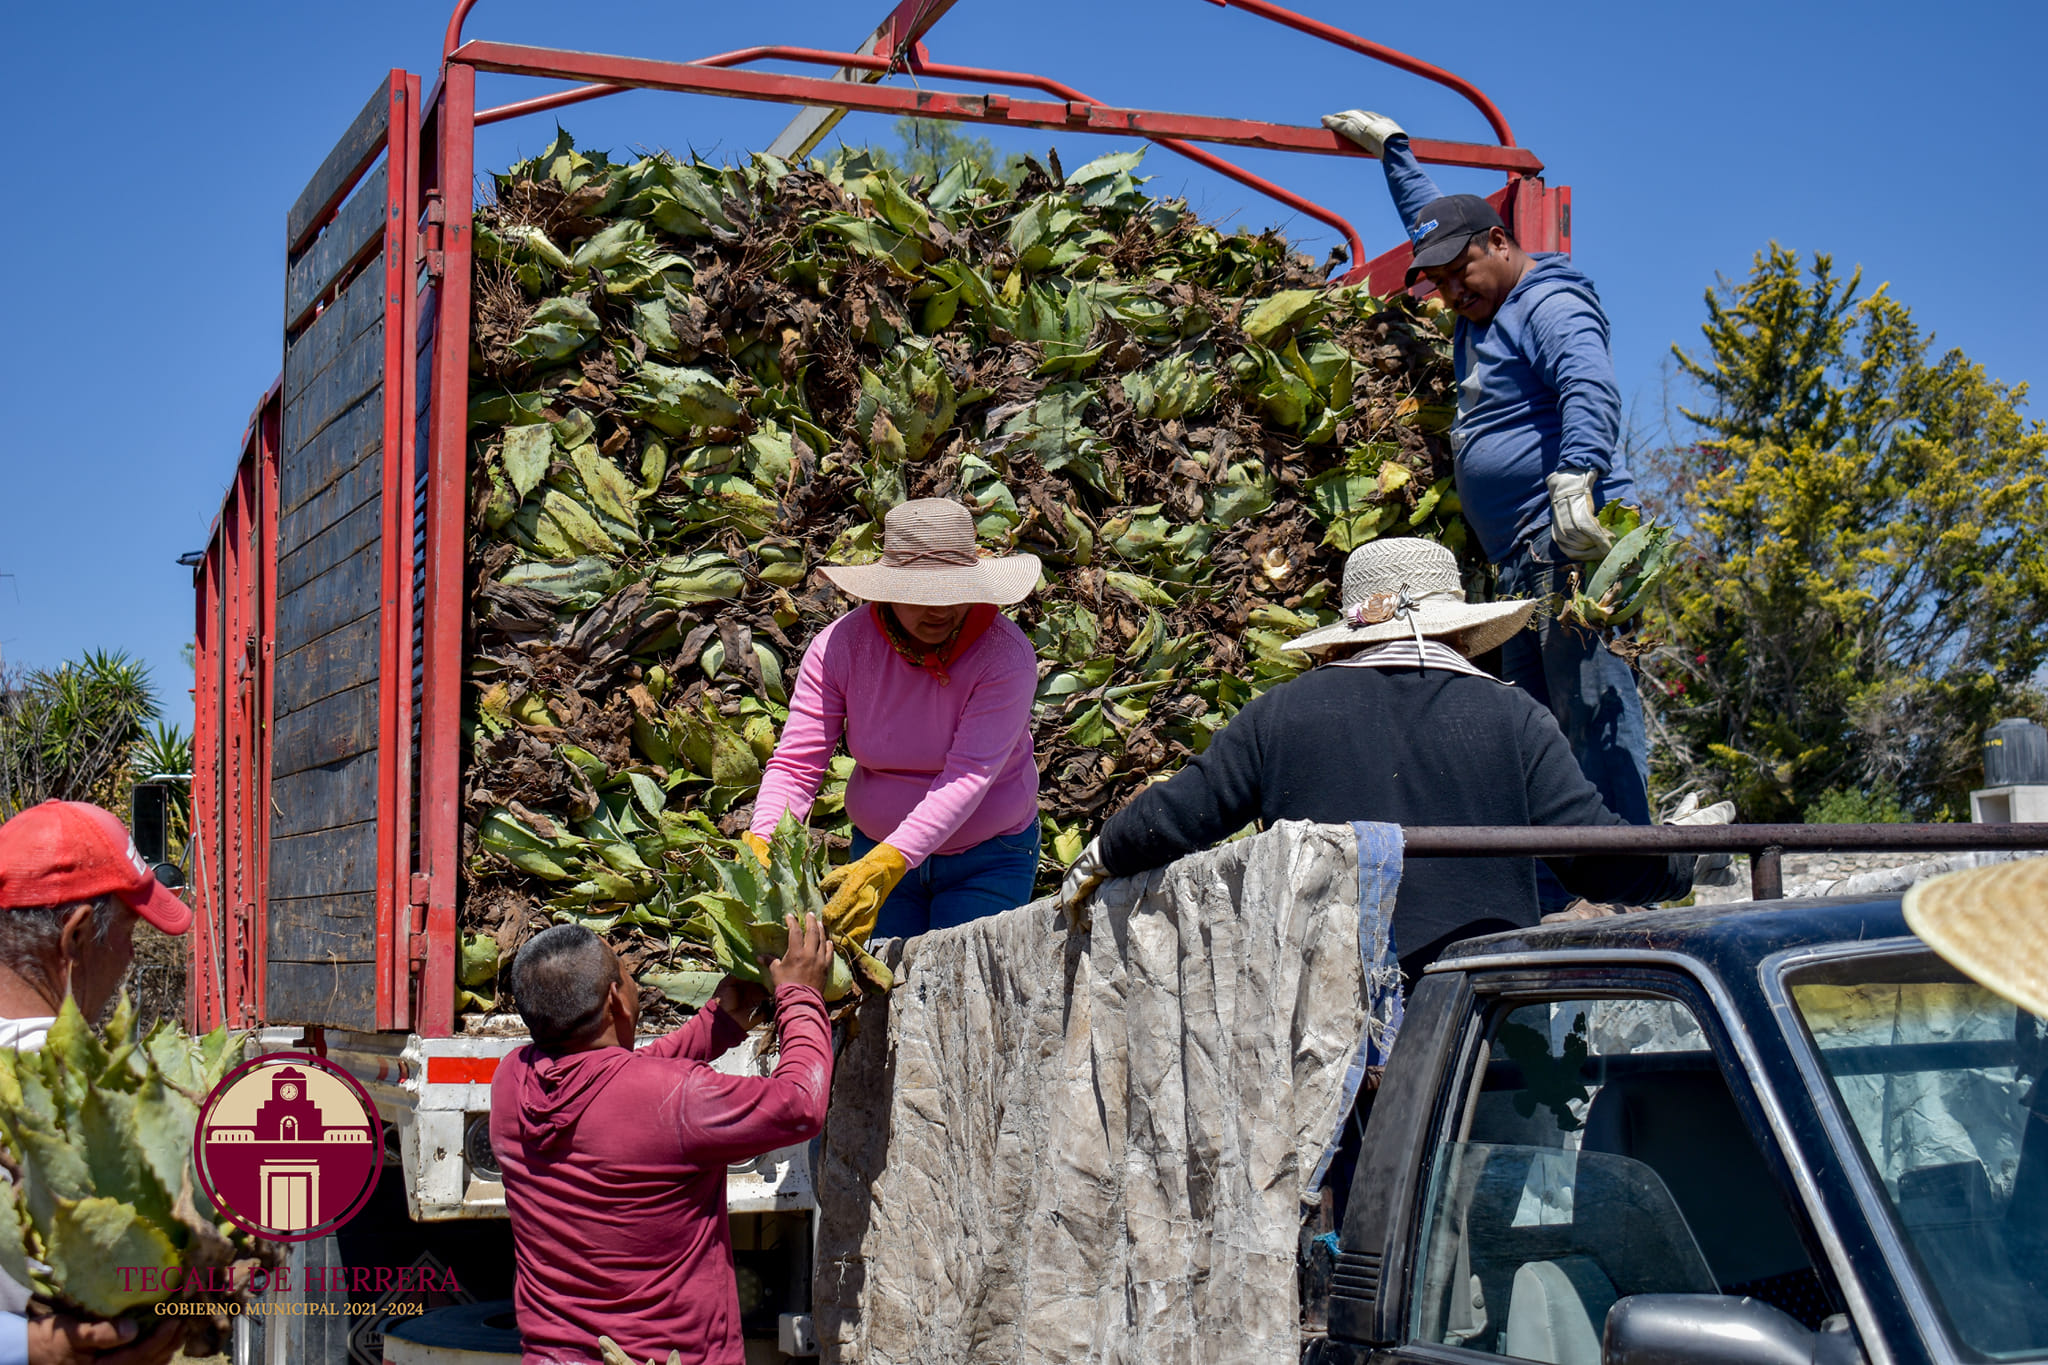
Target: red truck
column 329, row 600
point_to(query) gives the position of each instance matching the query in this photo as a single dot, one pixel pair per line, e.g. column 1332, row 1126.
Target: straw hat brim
column 1001, row 582
column 1992, row 922
column 1479, row 627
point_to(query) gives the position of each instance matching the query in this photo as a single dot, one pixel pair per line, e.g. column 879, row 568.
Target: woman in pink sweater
column 931, row 688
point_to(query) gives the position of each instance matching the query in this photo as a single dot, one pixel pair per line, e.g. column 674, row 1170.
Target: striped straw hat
column 929, row 559
column 1398, row 589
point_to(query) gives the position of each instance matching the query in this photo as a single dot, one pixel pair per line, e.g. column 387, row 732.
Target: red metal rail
column 235, row 600
column 1067, row 115
column 907, row 53
column 920, row 63
column 1379, row 52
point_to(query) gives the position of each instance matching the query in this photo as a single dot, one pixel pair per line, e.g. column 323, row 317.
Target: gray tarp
column 1054, row 1148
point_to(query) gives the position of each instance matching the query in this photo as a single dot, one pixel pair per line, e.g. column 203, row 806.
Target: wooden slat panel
column 357, row 231
column 340, row 927
column 330, row 730
column 327, row 862
column 345, row 445
column 306, row 355
column 343, row 793
column 335, row 662
column 358, row 147
column 354, row 373
column 339, row 526
column 334, row 994
column 344, row 594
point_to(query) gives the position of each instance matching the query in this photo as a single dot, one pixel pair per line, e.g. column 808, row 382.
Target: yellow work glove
column 858, row 889
column 758, row 844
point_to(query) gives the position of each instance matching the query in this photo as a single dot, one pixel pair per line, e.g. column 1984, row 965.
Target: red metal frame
column 395, row 772
column 236, row 600
column 701, row 78
column 908, row 54
column 447, row 267
column 426, row 260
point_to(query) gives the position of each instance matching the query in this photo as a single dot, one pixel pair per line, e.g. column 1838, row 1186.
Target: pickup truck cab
column 1782, row 1132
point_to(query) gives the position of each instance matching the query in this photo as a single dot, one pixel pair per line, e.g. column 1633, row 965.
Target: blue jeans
column 1590, row 690
column 952, row 888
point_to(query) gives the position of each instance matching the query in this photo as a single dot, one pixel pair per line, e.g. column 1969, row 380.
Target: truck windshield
column 1942, row 1085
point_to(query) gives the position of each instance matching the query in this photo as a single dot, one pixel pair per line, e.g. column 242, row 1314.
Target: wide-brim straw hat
column 1992, row 922
column 929, row 559
column 1395, row 589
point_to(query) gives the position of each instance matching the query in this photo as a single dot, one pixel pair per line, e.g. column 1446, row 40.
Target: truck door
column 1592, row 1141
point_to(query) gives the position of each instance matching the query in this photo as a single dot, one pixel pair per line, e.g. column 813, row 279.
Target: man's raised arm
column 721, row 1118
column 1410, row 185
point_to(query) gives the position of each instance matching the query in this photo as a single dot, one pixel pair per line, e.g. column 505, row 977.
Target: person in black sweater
column 1403, row 729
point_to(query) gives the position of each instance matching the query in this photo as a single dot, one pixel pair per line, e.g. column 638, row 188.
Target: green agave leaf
column 479, row 961
column 502, row 833
column 559, row 328
column 903, row 254
column 679, row 400
column 90, row 1240
column 608, row 248
column 867, row 964
column 13, row 1255
column 52, row 1169
column 1618, row 561
column 113, row 1148
column 691, row 989
column 72, row 1042
column 164, row 1121
column 607, row 485
column 576, row 525
column 586, row 574
column 1285, row 313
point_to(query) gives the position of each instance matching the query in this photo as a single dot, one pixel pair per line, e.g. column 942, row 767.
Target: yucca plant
column 66, row 733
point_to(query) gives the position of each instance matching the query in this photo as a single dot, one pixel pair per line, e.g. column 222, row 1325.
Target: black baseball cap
column 1442, row 231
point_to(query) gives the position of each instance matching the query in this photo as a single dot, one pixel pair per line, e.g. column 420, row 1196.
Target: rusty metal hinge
column 432, row 257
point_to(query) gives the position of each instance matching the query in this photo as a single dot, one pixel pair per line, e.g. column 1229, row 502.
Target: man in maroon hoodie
column 615, row 1159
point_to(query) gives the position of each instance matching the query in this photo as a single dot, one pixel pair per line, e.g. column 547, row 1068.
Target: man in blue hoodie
column 1536, row 443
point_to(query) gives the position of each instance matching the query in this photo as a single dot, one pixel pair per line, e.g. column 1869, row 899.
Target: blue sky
column 162, row 145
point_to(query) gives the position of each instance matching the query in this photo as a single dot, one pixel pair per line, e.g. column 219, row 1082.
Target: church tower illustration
column 289, row 1115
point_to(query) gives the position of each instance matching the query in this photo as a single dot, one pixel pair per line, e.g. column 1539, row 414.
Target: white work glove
column 1364, row 127
column 1082, row 878
column 1574, row 526
column 1710, row 869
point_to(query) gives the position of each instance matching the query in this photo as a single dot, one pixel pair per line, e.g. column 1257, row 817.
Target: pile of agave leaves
column 694, row 384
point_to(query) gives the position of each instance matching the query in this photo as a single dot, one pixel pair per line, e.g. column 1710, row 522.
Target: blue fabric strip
column 1380, row 854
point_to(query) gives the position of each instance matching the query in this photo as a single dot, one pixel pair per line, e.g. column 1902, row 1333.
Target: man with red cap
column 71, row 888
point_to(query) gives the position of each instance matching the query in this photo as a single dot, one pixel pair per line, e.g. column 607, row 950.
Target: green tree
column 1868, row 582
column 930, row 147
column 68, row 733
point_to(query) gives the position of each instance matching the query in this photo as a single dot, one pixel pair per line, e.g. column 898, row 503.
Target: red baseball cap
column 62, row 852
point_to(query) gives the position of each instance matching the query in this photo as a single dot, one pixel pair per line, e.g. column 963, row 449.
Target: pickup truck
column 1768, row 1133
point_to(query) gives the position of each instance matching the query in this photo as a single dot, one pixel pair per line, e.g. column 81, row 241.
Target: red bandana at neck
column 934, row 661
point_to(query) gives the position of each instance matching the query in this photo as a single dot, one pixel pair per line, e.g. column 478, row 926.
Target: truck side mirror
column 149, row 821
column 1719, row 1329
